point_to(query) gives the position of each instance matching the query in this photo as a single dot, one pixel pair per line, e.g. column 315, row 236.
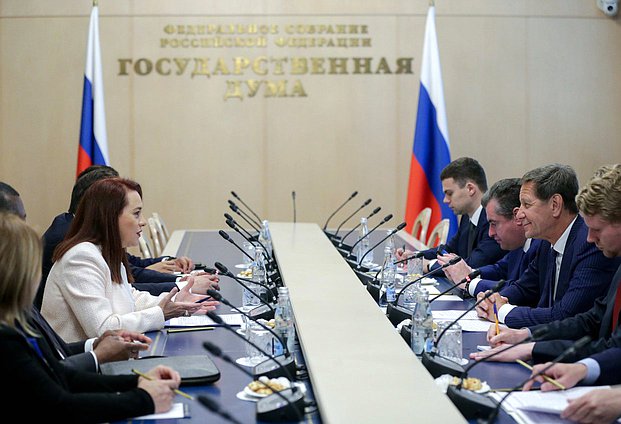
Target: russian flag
column 93, row 149
column 431, row 150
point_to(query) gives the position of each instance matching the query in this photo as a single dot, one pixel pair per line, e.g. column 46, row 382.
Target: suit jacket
column 71, row 354
column 59, row 393
column 144, row 279
column 609, row 366
column 596, row 322
column 584, row 276
column 509, row 268
column 485, row 250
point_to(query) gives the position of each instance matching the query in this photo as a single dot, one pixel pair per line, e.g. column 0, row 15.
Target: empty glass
column 450, row 345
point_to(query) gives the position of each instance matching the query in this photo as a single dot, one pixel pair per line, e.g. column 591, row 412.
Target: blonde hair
column 602, row 194
column 20, row 272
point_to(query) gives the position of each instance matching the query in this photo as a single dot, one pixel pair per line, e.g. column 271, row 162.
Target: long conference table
column 360, row 369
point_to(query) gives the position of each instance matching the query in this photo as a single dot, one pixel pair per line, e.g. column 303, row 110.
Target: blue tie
column 552, row 276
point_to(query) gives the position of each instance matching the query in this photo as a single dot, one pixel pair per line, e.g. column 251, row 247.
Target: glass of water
column 249, row 249
column 450, row 345
column 260, row 337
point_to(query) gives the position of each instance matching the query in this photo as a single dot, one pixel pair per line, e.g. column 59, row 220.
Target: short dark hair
column 506, row 192
column 463, row 170
column 86, row 179
column 8, row 199
column 554, row 179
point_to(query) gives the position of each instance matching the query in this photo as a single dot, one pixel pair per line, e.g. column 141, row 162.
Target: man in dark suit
column 501, row 203
column 568, row 273
column 599, row 202
column 463, row 183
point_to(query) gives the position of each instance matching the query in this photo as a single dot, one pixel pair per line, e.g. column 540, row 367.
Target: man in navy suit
column 463, row 183
column 600, row 361
column 568, row 273
column 501, row 203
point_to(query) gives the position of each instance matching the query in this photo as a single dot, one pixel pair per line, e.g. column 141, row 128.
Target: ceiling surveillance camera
column 609, row 7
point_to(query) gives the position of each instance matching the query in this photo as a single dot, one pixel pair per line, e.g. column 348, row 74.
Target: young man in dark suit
column 568, row 273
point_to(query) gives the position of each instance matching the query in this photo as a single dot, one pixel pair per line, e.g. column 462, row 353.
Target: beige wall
column 526, row 83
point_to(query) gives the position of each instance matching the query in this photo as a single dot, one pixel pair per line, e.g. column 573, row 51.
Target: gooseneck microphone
column 569, row 351
column 274, row 366
column 351, row 196
column 226, row 237
column 247, row 207
column 293, row 200
column 436, row 364
column 390, row 234
column 233, row 225
column 269, row 408
column 244, row 216
column 383, row 221
column 375, row 211
column 472, row 404
column 228, row 217
column 474, row 274
column 409, row 258
column 259, row 311
column 215, row 407
column 365, row 204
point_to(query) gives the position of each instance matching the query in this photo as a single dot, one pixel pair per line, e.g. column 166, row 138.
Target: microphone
column 390, row 234
column 244, row 216
column 351, row 196
column 247, row 207
column 293, row 200
column 228, row 238
column 269, row 408
column 397, row 313
column 414, row 256
column 473, row 404
column 228, row 217
column 231, row 223
column 335, row 235
column 214, row 407
column 275, row 366
column 259, row 311
column 569, row 351
column 437, row 365
column 383, row 221
column 474, row 274
column 375, row 211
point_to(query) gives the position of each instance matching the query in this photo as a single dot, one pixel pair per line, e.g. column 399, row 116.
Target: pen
column 496, row 318
column 183, row 330
column 204, row 299
column 545, row 377
column 179, row 392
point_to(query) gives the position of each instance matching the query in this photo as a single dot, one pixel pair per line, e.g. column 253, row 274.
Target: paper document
column 203, row 320
column 470, row 321
column 178, row 410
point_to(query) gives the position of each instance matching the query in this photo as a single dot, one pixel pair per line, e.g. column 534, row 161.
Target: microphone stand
column 247, row 207
column 244, row 215
column 383, row 221
column 335, row 235
column 226, row 237
column 341, row 245
column 359, row 265
column 293, row 200
column 354, row 194
column 259, row 311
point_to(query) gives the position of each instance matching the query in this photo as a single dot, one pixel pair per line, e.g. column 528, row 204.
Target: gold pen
column 183, row 330
column 545, row 377
column 177, row 391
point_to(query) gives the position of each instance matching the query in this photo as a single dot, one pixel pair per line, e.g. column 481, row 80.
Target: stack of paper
column 470, row 321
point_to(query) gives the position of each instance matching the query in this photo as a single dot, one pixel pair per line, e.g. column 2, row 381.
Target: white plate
column 252, row 394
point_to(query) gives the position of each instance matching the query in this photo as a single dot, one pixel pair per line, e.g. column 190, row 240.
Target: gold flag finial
column 432, row 3
column 95, row 3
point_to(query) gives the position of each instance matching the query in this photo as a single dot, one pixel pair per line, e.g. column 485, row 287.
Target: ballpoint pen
column 545, row 377
column 177, row 391
column 496, row 319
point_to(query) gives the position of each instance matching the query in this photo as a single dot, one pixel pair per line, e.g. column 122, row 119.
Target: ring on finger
column 186, row 313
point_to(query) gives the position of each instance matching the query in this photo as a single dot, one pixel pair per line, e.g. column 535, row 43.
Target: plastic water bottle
column 389, row 273
column 363, row 246
column 258, row 276
column 283, row 320
column 265, row 237
column 422, row 324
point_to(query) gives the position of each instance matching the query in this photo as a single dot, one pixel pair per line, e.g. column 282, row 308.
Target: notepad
column 470, row 322
column 203, row 320
column 178, row 410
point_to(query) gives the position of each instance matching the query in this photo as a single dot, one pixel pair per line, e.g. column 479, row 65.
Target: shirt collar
column 559, row 246
column 475, row 216
column 527, row 244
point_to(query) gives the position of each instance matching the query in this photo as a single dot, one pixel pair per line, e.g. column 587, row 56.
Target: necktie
column 617, row 307
column 471, row 233
column 552, row 276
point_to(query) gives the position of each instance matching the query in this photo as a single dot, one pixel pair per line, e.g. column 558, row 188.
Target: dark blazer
column 71, row 354
column 584, row 276
column 596, row 322
column 144, row 279
column 609, row 366
column 509, row 268
column 485, row 250
column 59, row 393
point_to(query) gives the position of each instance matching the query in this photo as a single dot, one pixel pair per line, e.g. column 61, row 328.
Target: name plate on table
column 194, row 369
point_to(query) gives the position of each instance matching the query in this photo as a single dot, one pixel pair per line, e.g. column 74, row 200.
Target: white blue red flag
column 431, row 149
column 93, row 149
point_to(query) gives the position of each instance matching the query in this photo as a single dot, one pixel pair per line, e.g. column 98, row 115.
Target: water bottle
column 265, row 237
column 389, row 273
column 363, row 246
column 258, row 276
column 422, row 324
column 283, row 322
